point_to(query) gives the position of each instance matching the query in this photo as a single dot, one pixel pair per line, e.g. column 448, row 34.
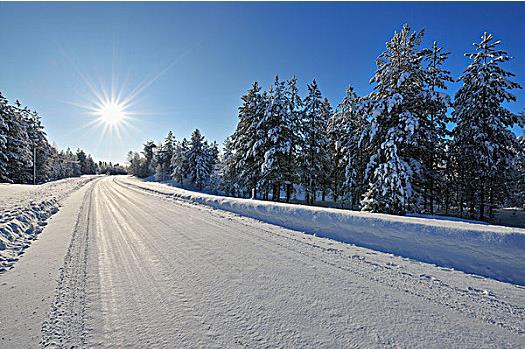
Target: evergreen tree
column 91, row 167
column 82, row 161
column 18, row 150
column 38, row 170
column 277, row 167
column 295, row 111
column 149, row 154
column 433, row 129
column 392, row 135
column 483, row 145
column 179, row 162
column 158, row 161
column 229, row 182
column 215, row 165
column 198, row 160
column 164, row 157
column 347, row 155
column 247, row 140
column 518, row 177
column 314, row 142
column 135, row 163
column 4, row 129
column 325, row 178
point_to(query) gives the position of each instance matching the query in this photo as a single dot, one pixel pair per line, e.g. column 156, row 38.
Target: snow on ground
column 487, row 250
column 24, row 210
column 145, row 269
column 27, row 291
column 128, row 264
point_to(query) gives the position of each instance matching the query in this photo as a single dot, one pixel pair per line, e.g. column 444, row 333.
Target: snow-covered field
column 142, row 268
column 24, row 210
column 486, row 250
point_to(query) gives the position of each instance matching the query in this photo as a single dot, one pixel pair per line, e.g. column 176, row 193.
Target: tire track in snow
column 180, row 257
column 131, row 241
column 65, row 326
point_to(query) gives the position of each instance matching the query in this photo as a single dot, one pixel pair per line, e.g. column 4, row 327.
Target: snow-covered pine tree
column 336, row 134
column 215, row 165
column 169, row 145
column 516, row 180
column 4, row 129
column 82, row 160
column 518, row 199
column 314, row 142
column 149, row 154
column 294, row 110
column 198, row 160
column 213, row 153
column 134, row 161
column 159, row 162
column 18, row 150
column 179, row 162
column 71, row 165
column 326, row 164
column 229, row 182
column 396, row 112
column 247, row 141
column 483, row 145
column 40, row 148
column 277, row 167
column 348, row 156
column 164, row 157
column 433, row 131
column 54, row 163
column 91, row 167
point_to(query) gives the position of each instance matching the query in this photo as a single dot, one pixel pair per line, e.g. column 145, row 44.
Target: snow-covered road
column 146, row 270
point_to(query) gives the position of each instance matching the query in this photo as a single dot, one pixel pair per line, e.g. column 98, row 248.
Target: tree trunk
column 336, row 189
column 447, row 198
column 482, row 202
column 276, row 191
column 491, row 204
column 431, row 197
column 288, row 191
column 472, row 203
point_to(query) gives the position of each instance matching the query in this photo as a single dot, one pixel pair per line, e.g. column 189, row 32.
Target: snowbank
column 16, row 233
column 487, row 250
column 24, row 211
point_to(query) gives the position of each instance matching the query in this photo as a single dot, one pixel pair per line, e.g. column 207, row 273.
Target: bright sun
column 111, row 113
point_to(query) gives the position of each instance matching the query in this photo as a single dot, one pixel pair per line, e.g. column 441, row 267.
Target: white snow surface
column 139, row 268
column 24, row 210
column 486, row 250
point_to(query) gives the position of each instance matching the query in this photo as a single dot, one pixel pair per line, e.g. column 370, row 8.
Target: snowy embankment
column 24, row 210
column 487, row 250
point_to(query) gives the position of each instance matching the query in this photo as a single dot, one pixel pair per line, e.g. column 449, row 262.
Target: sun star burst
column 111, row 113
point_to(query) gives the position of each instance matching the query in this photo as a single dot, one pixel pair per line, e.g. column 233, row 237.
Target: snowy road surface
column 145, row 270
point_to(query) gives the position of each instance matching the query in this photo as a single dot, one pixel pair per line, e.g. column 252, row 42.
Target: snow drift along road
column 24, row 211
column 492, row 251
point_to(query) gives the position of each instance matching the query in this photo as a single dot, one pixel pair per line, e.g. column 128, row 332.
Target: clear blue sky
column 214, row 51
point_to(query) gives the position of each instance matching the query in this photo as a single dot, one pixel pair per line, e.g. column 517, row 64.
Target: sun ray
column 110, row 103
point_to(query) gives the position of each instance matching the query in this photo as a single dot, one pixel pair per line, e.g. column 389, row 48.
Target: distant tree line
column 193, row 162
column 405, row 147
column 26, row 156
